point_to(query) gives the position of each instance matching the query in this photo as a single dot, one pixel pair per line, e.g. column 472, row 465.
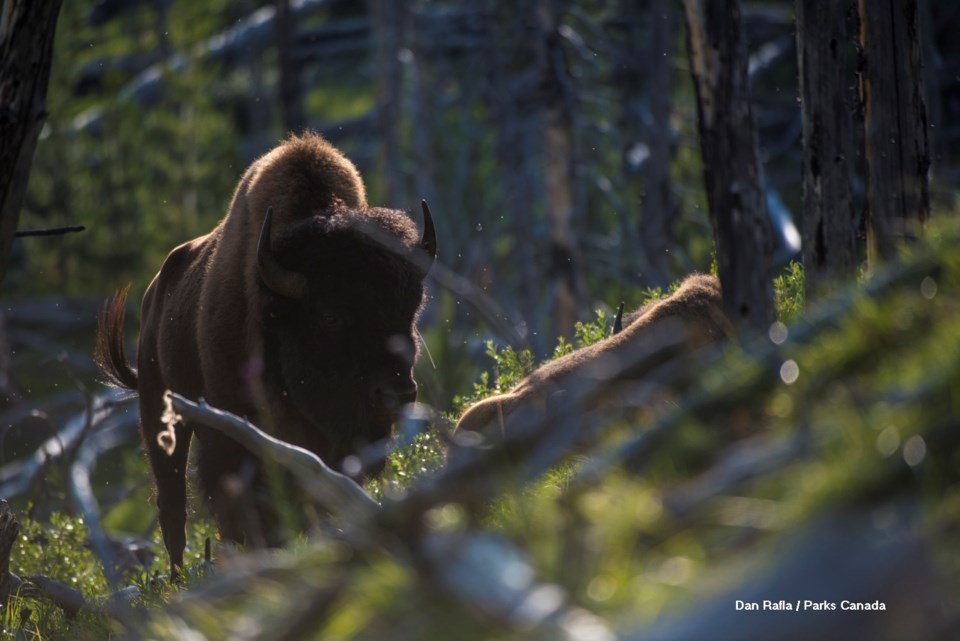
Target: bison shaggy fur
column 311, row 337
column 686, row 321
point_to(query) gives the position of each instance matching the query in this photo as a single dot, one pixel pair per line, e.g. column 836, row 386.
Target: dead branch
column 61, row 595
column 17, row 476
column 736, row 390
column 86, row 503
column 99, row 420
column 68, row 599
column 251, row 34
column 334, row 491
column 488, row 577
column 836, row 558
column 479, row 570
column 49, row 231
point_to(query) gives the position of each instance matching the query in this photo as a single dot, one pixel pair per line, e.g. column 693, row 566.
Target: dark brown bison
column 688, row 320
column 297, row 311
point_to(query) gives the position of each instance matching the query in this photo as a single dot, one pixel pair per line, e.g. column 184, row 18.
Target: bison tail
column 109, row 353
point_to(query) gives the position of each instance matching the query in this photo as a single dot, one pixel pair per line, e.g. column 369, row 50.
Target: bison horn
column 618, row 320
column 428, row 242
column 283, row 281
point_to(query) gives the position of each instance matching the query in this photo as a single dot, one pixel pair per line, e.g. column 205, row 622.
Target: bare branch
column 51, row 231
column 17, row 476
column 491, row 564
column 81, row 492
column 334, row 491
column 251, row 34
column 68, row 599
column 63, row 596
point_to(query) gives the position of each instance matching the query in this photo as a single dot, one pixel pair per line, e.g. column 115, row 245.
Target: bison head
column 342, row 291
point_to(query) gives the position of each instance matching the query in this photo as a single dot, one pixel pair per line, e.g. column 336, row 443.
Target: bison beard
column 297, row 311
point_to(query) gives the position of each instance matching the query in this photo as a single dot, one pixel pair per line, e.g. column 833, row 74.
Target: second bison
column 689, row 319
column 297, row 311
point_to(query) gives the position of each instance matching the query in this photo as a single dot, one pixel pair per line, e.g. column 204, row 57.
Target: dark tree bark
column 895, row 120
column 291, row 100
column 27, row 32
column 659, row 205
column 933, row 68
column 829, row 225
column 731, row 166
column 563, row 275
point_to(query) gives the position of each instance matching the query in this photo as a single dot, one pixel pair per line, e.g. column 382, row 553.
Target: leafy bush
column 788, row 293
column 58, row 549
column 510, row 367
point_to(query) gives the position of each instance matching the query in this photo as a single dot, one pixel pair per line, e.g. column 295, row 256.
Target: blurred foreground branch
column 484, row 573
column 51, row 231
column 818, row 504
column 332, row 490
column 16, row 476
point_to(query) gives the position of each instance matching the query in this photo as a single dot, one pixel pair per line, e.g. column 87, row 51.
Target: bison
column 689, row 319
column 297, row 311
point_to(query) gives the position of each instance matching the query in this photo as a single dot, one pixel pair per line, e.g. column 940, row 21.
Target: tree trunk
column 933, row 68
column 829, row 225
column 291, row 101
column 895, row 120
column 659, row 205
column 559, row 167
column 27, row 30
column 731, row 167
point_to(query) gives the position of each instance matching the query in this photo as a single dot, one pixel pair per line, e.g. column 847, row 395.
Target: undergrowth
column 864, row 404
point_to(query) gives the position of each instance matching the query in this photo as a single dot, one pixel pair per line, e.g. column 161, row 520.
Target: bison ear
column 428, row 241
column 285, row 282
